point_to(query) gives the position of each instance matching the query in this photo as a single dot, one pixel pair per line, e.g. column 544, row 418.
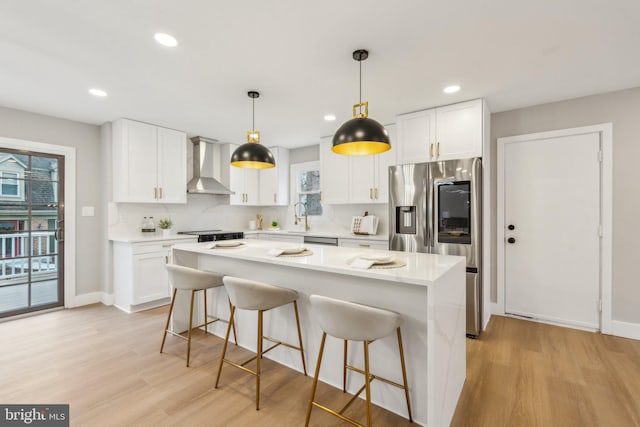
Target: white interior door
column 552, row 254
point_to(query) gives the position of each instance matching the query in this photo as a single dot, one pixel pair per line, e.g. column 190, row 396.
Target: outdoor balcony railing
column 20, row 252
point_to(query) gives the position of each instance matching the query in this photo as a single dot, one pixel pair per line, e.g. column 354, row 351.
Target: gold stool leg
column 367, row 381
column 344, row 369
column 166, row 326
column 193, row 294
column 315, row 379
column 304, row 365
column 258, row 358
column 206, row 319
column 404, row 375
column 224, row 347
column 235, row 334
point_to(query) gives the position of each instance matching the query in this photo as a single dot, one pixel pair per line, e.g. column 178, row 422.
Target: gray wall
column 310, row 153
column 86, row 138
column 623, row 110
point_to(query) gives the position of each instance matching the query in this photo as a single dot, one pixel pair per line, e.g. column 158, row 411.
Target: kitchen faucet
column 297, row 218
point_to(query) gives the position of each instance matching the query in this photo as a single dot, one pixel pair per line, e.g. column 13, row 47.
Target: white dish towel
column 361, row 263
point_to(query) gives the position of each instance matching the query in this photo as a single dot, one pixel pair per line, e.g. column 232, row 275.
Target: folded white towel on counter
column 361, row 263
column 275, row 252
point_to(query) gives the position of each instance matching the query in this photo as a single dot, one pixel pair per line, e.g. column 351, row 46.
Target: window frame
column 295, row 192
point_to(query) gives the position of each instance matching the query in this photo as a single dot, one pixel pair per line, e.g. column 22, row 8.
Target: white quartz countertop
column 420, row 269
column 152, row 237
column 338, row 234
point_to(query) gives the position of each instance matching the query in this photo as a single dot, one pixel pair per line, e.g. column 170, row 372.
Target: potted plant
column 274, row 225
column 165, row 224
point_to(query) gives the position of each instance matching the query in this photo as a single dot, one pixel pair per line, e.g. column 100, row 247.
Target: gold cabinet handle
column 160, row 193
column 275, row 198
column 371, row 193
column 155, row 193
column 166, row 259
column 438, row 150
column 430, row 150
column 375, row 193
column 321, row 196
column 364, row 245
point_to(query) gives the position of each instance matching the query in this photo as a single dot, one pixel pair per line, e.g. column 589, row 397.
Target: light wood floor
column 106, row 365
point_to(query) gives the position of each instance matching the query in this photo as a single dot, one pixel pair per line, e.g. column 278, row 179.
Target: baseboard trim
column 91, row 298
column 625, row 329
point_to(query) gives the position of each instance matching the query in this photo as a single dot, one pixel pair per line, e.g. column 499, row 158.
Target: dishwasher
column 328, row 241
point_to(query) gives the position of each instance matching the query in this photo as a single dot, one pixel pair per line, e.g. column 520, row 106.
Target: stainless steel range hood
column 206, row 157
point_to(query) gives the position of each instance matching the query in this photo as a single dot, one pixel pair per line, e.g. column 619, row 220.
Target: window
column 9, row 184
column 306, row 188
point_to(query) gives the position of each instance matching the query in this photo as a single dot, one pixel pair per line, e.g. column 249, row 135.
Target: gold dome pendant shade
column 252, row 154
column 361, row 135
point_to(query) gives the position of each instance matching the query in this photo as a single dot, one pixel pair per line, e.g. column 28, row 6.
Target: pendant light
column 252, row 154
column 361, row 135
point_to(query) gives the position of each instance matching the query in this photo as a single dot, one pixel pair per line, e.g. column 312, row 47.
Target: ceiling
column 298, row 55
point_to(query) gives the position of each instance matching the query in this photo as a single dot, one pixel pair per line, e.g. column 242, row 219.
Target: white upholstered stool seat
column 257, row 296
column 191, row 279
column 355, row 322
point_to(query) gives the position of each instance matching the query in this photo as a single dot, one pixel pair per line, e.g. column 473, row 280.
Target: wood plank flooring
column 106, row 364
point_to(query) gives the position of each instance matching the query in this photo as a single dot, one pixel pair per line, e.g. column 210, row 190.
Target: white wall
column 621, row 108
column 86, row 139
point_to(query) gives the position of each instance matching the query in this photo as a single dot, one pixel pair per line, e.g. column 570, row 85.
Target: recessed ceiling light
column 451, row 89
column 166, row 39
column 329, row 117
column 97, row 92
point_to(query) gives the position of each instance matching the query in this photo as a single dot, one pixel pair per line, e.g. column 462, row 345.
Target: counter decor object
column 274, row 226
column 148, row 226
column 165, row 225
column 259, row 225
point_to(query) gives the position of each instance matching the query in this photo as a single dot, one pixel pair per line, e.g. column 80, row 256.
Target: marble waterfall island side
column 429, row 293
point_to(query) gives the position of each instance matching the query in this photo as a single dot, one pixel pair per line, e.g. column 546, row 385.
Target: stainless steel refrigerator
column 436, row 208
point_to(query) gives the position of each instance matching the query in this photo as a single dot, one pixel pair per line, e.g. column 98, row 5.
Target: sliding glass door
column 31, row 231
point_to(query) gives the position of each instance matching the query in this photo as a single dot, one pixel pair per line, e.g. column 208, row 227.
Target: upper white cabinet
column 257, row 187
column 442, row 133
column 274, row 182
column 334, row 174
column 244, row 182
column 356, row 179
column 149, row 163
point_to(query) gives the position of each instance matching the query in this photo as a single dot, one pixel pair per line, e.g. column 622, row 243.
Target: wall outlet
column 88, row 211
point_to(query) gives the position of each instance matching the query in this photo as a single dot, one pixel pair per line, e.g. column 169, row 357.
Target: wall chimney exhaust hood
column 206, row 157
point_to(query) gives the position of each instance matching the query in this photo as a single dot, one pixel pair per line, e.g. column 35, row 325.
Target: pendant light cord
column 360, row 81
column 253, row 114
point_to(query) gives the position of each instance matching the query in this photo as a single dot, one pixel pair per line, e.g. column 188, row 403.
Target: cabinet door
column 172, row 166
column 268, row 194
column 383, row 161
column 334, row 174
column 150, row 279
column 416, row 136
column 459, row 130
column 362, row 178
column 233, row 177
column 251, row 187
column 141, row 159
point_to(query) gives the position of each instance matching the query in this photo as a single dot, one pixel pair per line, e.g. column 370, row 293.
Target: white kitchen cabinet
column 334, row 174
column 244, row 182
column 281, row 237
column 450, row 132
column 273, row 183
column 416, row 136
column 356, row 179
column 140, row 280
column 364, row 244
column 149, row 163
column 369, row 175
column 459, row 130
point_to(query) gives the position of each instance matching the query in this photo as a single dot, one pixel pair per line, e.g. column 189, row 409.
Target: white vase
column 166, row 232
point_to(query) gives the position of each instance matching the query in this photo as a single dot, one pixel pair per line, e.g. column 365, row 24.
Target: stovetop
column 214, row 235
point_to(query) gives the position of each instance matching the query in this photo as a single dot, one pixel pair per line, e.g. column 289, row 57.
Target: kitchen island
column 429, row 293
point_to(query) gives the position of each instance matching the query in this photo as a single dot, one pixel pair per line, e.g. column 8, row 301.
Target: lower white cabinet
column 140, row 280
column 364, row 244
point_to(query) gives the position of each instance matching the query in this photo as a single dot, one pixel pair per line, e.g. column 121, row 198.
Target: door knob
column 511, row 227
column 511, row 240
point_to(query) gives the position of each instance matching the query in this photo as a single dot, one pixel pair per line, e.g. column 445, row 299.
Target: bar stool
column 257, row 296
column 190, row 279
column 355, row 322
